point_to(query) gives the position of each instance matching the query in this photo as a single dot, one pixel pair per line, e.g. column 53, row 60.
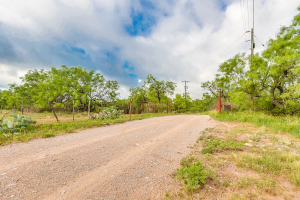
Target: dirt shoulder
column 132, row 160
column 249, row 163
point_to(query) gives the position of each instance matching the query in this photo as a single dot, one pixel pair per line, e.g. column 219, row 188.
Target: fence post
column 142, row 108
column 14, row 108
column 154, row 107
column 1, row 108
column 167, row 106
column 89, row 109
column 28, row 109
column 22, row 105
column 73, row 111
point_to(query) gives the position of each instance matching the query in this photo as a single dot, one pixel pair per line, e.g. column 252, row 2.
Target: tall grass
column 52, row 129
column 278, row 124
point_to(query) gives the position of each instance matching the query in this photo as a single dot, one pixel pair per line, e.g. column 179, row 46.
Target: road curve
column 132, row 160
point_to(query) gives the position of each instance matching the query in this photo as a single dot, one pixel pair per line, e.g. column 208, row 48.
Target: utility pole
column 252, row 42
column 185, row 92
column 252, row 35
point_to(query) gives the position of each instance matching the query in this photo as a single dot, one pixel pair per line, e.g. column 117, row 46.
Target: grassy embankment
column 48, row 127
column 277, row 124
column 251, row 156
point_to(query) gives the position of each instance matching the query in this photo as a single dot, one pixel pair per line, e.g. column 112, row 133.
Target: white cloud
column 181, row 46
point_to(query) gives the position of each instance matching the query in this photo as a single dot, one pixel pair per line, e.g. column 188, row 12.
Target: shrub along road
column 132, row 160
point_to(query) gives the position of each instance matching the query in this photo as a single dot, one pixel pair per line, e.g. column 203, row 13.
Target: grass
column 278, row 124
column 267, row 169
column 46, row 130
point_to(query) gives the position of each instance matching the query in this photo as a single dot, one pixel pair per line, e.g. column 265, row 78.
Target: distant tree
column 160, row 88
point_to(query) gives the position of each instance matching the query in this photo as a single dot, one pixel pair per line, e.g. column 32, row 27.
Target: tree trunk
column 252, row 99
column 52, row 109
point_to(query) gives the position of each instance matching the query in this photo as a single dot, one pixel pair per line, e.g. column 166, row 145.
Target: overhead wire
column 248, row 15
column 243, row 17
column 259, row 41
column 225, row 50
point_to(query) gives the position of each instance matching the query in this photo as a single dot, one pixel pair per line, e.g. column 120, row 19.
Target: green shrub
column 111, row 113
column 16, row 126
column 194, row 174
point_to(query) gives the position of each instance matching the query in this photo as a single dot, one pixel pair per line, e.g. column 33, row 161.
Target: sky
column 125, row 40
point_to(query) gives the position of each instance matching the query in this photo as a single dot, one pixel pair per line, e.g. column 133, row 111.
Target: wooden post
column 130, row 109
column 14, row 108
column 168, row 107
column 142, row 108
column 154, row 107
column 28, row 109
column 73, row 111
column 220, row 103
column 22, row 105
column 1, row 108
column 52, row 109
column 89, row 108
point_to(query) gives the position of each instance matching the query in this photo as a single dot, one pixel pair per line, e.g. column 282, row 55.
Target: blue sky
column 126, row 40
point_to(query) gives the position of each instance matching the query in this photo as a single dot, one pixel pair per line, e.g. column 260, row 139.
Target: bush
column 193, row 174
column 111, row 113
column 17, row 125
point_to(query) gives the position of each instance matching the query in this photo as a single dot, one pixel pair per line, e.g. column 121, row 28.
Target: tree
column 160, row 88
column 283, row 55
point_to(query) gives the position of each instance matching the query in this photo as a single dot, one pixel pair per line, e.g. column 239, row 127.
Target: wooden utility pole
column 185, row 92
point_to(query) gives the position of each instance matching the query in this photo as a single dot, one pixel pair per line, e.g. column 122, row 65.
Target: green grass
column 211, row 144
column 273, row 162
column 277, row 124
column 51, row 129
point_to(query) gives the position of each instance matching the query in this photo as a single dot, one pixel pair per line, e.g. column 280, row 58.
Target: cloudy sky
column 126, row 40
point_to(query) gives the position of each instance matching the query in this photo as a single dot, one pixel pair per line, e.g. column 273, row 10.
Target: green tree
column 160, row 89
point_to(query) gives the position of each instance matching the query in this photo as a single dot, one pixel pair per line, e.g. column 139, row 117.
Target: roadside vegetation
column 238, row 160
column 278, row 124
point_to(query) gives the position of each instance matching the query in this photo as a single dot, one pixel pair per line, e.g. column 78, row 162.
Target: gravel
column 132, row 160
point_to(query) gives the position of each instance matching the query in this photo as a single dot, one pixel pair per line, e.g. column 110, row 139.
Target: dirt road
column 132, row 160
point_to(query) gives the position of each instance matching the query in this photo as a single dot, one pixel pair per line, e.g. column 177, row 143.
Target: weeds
column 212, row 144
column 273, row 162
column 193, row 174
column 278, row 124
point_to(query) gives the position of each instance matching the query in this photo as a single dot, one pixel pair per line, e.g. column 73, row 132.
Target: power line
column 243, row 17
column 226, row 49
column 259, row 41
column 234, row 48
column 248, row 15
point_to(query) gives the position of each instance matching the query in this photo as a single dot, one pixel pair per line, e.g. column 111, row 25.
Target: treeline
column 267, row 81
column 60, row 88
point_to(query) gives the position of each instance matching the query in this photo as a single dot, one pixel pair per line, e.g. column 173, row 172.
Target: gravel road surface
column 132, row 160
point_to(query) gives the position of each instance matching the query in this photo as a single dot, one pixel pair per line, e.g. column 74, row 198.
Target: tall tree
column 160, row 88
